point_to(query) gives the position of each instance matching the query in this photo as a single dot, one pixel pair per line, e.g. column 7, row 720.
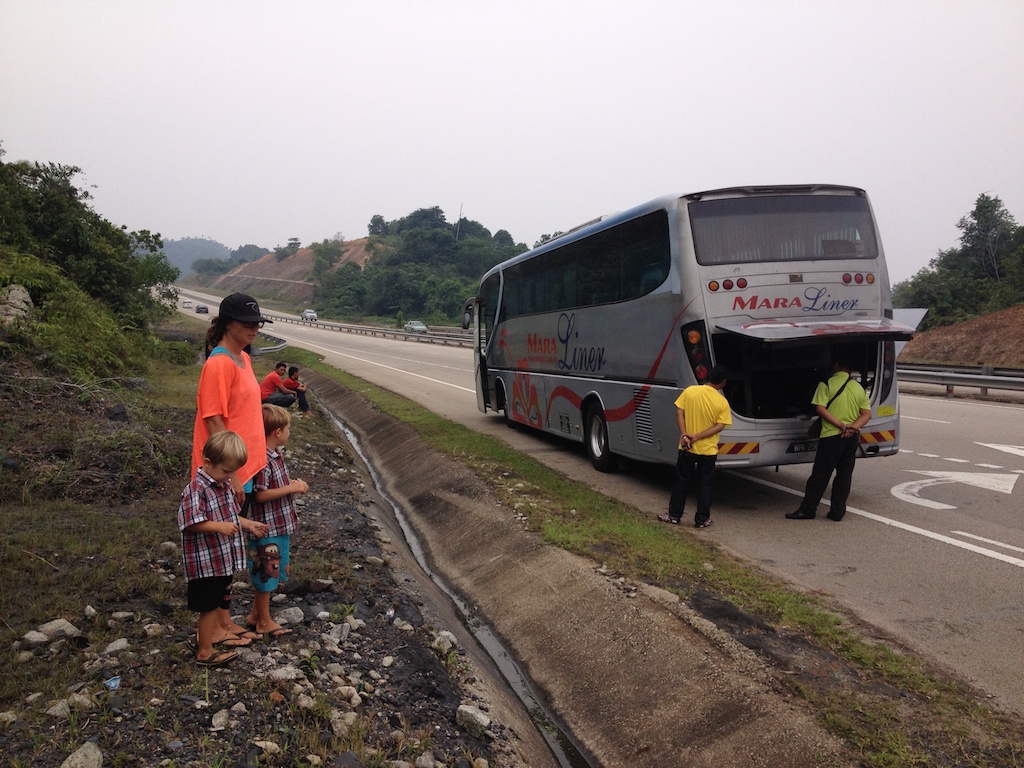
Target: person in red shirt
column 273, row 390
column 292, row 384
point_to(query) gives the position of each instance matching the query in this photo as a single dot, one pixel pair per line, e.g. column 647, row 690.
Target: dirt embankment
column 288, row 279
column 988, row 340
column 638, row 677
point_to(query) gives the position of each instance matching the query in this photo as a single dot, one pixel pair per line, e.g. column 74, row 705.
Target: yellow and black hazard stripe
column 874, row 438
column 738, row 449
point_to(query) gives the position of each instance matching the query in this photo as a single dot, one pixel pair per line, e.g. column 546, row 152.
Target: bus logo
column 813, row 300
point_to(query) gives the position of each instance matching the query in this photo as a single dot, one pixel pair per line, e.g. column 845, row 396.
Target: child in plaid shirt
column 211, row 542
column 269, row 555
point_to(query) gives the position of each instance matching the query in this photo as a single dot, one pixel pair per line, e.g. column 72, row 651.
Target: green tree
column 377, row 226
column 249, row 252
column 45, row 214
column 984, row 274
column 986, row 235
column 326, row 254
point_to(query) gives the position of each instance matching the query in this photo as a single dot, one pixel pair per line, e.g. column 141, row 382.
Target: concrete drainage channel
column 561, row 745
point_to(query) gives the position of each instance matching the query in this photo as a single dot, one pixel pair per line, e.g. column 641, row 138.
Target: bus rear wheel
column 506, row 408
column 596, row 440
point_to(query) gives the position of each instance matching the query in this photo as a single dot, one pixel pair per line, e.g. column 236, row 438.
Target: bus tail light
column 697, row 352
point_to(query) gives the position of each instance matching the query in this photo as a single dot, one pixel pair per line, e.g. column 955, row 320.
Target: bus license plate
column 804, row 446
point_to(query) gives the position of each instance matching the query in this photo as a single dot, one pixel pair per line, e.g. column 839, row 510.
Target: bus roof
column 667, row 201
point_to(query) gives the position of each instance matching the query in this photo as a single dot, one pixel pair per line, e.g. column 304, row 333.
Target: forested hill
column 418, row 266
column 287, row 278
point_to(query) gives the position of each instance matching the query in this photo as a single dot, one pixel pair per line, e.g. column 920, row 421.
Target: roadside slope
column 624, row 666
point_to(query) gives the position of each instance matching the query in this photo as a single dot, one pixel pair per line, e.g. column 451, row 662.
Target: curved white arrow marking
column 990, row 482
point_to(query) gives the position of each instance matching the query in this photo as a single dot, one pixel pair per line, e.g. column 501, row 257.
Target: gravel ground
column 364, row 679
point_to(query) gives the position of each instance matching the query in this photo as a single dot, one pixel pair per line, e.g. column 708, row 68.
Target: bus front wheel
column 596, row 440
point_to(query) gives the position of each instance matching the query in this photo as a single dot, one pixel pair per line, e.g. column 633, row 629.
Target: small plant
column 340, row 611
column 310, row 665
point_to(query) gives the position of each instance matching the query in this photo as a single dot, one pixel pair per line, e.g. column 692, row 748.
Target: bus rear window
column 782, row 228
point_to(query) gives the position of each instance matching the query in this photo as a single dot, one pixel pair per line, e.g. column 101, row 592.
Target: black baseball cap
column 243, row 308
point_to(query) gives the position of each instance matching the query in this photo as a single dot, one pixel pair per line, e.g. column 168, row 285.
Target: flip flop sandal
column 235, row 641
column 227, row 642
column 249, row 635
column 667, row 519
column 218, row 658
column 279, row 632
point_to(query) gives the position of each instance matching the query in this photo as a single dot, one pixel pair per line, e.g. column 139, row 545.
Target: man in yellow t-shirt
column 702, row 412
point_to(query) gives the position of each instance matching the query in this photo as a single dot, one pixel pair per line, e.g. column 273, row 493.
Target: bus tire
column 506, row 408
column 596, row 440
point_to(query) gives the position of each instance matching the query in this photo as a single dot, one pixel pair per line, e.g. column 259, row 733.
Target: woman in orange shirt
column 228, row 398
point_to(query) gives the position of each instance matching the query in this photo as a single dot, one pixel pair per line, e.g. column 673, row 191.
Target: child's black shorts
column 209, row 594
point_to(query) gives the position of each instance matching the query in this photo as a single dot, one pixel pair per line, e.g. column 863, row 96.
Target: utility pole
column 458, row 223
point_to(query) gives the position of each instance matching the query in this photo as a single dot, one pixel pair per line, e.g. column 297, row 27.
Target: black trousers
column 687, row 465
column 835, row 454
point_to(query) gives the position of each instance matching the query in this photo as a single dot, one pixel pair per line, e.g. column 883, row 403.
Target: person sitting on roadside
column 273, row 390
column 298, row 388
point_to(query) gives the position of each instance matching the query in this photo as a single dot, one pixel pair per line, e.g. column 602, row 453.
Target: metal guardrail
column 983, row 377
column 435, row 334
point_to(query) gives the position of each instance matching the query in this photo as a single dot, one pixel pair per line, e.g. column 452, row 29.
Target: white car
column 187, row 303
column 415, row 326
column 309, row 315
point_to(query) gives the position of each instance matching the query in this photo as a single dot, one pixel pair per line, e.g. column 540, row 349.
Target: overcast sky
column 255, row 121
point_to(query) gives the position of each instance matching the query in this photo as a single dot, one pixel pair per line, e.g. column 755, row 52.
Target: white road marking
column 334, row 351
column 1016, row 450
column 989, row 466
column 988, row 541
column 896, row 524
column 918, row 418
column 909, row 491
column 957, row 461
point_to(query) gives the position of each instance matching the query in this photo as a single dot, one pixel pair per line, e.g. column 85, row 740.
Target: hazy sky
column 254, row 121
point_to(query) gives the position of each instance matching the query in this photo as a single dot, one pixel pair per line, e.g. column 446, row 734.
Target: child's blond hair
column 225, row 449
column 275, row 417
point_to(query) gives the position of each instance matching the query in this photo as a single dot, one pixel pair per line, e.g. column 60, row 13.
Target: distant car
column 187, row 303
column 415, row 326
column 309, row 314
column 202, row 309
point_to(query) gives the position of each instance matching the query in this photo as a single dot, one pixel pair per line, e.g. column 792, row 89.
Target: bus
column 593, row 334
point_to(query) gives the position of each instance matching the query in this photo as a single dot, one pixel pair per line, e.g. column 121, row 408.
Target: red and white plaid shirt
column 279, row 514
column 209, row 554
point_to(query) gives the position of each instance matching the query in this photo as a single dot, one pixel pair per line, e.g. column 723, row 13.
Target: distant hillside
column 993, row 339
column 181, row 253
column 285, row 280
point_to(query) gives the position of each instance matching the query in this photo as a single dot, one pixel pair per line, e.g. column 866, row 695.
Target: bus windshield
column 782, row 228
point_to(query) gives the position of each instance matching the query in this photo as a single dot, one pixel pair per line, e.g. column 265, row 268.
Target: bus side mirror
column 467, row 314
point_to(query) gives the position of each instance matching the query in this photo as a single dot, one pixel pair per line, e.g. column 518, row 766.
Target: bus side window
column 650, row 278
